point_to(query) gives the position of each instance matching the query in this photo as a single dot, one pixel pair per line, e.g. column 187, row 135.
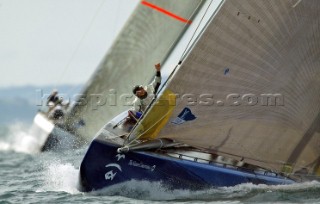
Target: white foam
column 292, row 187
column 60, row 178
column 4, row 146
column 152, row 191
column 156, row 191
column 19, row 139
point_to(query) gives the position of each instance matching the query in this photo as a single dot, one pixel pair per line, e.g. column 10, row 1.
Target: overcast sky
column 52, row 42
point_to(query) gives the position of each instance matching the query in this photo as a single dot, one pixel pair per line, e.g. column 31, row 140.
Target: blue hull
column 102, row 167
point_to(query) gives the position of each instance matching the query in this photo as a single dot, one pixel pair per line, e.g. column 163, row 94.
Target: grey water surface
column 51, row 177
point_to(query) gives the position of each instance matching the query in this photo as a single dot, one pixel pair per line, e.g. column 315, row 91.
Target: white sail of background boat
column 147, row 38
column 243, row 106
column 48, row 133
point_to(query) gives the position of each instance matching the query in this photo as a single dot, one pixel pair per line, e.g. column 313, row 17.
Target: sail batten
column 250, row 86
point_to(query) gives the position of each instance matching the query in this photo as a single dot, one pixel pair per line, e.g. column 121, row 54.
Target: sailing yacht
column 242, row 105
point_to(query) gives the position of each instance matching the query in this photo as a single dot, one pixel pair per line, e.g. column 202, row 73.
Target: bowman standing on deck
column 144, row 95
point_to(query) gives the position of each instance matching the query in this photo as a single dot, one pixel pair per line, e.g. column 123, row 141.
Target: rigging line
column 194, row 33
column 80, row 42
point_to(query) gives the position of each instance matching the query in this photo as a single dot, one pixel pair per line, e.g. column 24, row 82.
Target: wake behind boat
column 243, row 105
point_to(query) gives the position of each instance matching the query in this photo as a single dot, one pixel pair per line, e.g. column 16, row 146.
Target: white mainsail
column 147, row 38
column 249, row 87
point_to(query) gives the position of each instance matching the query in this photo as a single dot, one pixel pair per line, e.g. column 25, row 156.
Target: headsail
column 250, row 86
column 147, row 38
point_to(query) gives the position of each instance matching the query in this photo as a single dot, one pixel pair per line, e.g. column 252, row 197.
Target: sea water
column 51, row 177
